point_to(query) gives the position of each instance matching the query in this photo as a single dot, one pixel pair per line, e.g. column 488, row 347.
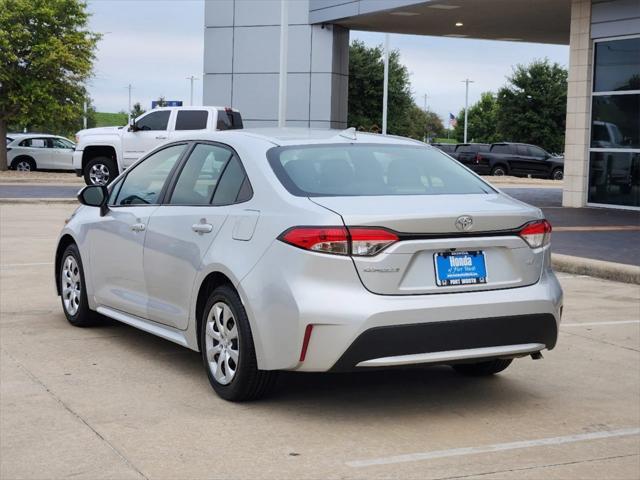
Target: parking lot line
column 597, row 324
column 497, row 447
column 11, row 265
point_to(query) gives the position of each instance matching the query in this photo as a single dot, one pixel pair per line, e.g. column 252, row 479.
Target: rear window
column 191, row 120
column 371, row 170
column 229, row 120
column 446, row 148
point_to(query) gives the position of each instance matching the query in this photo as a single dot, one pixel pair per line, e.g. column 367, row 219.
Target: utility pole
column 425, row 103
column 385, row 94
column 466, row 81
column 129, row 111
column 191, row 78
column 284, row 47
column 84, row 117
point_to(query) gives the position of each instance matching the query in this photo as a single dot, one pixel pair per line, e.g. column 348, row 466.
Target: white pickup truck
column 102, row 153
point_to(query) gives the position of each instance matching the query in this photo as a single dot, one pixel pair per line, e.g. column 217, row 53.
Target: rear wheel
column 482, row 369
column 228, row 353
column 557, row 174
column 100, row 171
column 499, row 171
column 72, row 289
column 24, row 164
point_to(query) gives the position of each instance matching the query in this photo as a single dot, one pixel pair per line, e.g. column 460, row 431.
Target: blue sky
column 155, row 45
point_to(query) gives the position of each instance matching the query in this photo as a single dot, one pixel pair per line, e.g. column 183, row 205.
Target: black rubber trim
column 431, row 337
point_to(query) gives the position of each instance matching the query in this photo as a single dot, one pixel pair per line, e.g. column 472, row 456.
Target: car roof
column 194, row 107
column 22, row 136
column 302, row 136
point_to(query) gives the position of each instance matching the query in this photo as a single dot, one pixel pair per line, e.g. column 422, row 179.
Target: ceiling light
column 405, row 14
column 443, row 7
column 459, row 24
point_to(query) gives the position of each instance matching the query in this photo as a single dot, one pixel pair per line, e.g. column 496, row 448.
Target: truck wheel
column 557, row 174
column 499, row 171
column 100, row 171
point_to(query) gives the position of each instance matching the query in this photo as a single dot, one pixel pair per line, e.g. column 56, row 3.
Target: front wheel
column 100, row 171
column 482, row 369
column 73, row 290
column 228, row 353
column 557, row 174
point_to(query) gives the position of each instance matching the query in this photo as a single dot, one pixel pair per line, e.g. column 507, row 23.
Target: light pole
column 385, row 94
column 129, row 111
column 466, row 81
column 284, row 40
column 191, row 79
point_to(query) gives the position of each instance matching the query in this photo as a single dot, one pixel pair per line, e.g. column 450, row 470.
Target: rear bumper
column 451, row 341
column 351, row 324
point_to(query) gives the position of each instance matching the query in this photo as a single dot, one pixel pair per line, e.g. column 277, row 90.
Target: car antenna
column 349, row 133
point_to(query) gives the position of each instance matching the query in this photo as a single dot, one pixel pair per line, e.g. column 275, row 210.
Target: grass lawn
column 104, row 119
column 445, row 140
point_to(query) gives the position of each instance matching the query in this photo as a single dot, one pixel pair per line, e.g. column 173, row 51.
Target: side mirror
column 133, row 127
column 95, row 196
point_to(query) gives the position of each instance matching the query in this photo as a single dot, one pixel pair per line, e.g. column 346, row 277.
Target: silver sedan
column 312, row 251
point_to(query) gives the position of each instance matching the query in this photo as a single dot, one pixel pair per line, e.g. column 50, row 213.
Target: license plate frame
column 471, row 269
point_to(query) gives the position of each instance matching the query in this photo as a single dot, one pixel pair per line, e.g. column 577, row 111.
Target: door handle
column 161, row 137
column 138, row 227
column 202, row 228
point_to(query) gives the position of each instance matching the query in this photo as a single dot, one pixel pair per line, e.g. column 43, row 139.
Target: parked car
column 312, row 251
column 467, row 154
column 448, row 148
column 519, row 159
column 102, row 153
column 33, row 151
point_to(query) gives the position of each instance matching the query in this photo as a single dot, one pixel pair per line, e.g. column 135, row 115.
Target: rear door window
column 200, row 174
column 192, row 119
column 501, row 149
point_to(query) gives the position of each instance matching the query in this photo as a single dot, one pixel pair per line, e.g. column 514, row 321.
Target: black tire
column 499, row 171
column 24, row 164
column 248, row 382
column 82, row 316
column 557, row 174
column 482, row 369
column 103, row 165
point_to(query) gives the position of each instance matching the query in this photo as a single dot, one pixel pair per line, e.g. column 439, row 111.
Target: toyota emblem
column 464, row 223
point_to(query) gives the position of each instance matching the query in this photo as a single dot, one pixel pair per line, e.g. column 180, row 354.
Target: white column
column 284, row 40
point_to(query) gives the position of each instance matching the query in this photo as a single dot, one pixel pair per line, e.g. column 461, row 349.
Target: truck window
column 229, row 120
column 192, row 120
column 154, row 120
column 522, row 150
column 501, row 148
column 537, row 152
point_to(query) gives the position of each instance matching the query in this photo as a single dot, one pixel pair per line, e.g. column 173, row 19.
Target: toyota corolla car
column 312, row 251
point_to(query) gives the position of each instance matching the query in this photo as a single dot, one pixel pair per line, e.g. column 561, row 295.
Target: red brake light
column 537, row 234
column 359, row 241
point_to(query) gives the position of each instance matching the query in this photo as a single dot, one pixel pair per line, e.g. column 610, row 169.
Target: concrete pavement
column 114, row 402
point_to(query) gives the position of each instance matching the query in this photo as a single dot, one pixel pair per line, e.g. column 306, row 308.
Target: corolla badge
column 464, row 223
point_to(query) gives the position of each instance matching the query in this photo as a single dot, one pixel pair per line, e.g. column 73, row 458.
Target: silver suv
column 312, row 251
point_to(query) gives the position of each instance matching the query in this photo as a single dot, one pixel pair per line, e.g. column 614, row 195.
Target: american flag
column 452, row 120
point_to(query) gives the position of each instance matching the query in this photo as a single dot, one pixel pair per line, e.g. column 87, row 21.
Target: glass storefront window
column 617, row 65
column 614, row 178
column 615, row 121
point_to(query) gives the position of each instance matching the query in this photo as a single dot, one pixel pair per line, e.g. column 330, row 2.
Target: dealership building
column 602, row 147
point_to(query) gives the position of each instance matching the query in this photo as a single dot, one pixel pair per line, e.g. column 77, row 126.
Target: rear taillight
column 359, row 241
column 537, row 234
column 478, row 158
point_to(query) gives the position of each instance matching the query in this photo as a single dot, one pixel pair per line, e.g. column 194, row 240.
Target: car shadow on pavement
column 361, row 395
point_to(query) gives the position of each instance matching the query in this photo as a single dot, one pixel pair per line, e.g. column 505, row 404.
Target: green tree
column 423, row 124
column 481, row 118
column 137, row 110
column 532, row 106
column 366, row 81
column 46, row 56
column 161, row 102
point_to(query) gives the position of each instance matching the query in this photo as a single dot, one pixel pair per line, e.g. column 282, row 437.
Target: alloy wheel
column 99, row 174
column 71, row 285
column 221, row 343
column 558, row 175
column 23, row 166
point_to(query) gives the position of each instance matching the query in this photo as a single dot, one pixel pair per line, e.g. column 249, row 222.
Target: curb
column 618, row 272
column 35, row 201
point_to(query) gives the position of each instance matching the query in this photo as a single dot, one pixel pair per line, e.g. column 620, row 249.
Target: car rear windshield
column 371, row 170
